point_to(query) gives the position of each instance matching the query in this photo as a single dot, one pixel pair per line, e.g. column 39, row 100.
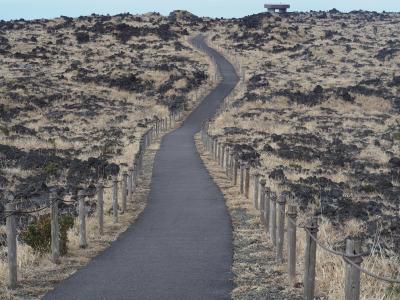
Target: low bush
column 38, row 235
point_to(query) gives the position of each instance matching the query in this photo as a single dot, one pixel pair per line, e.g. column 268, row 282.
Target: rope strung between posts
column 366, row 272
column 344, row 256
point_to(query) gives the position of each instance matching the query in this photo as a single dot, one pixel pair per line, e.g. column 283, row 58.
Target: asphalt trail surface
column 181, row 245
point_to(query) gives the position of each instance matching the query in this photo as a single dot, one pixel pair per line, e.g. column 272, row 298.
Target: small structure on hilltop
column 282, row 8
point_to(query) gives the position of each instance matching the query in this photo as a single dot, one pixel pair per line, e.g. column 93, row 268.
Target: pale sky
column 35, row 9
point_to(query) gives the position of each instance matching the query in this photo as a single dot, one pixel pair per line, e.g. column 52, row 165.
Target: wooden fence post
column 130, row 184
column 242, row 166
column 115, row 200
column 55, row 228
column 100, row 207
column 235, row 171
column 266, row 208
column 227, row 153
column 256, row 190
column 134, row 177
column 291, row 242
column 231, row 162
column 261, row 190
column 281, row 228
column 247, row 182
column 11, row 245
column 272, row 218
column 310, row 260
column 124, row 190
column 82, row 220
column 352, row 279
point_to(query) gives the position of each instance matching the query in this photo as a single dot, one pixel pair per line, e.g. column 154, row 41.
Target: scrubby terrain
column 76, row 94
column 318, row 117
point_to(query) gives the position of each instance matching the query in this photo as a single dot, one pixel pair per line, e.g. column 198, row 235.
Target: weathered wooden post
column 265, row 199
column 219, row 153
column 235, row 171
column 55, row 228
column 134, row 177
column 352, row 279
column 227, row 161
column 11, row 245
column 310, row 260
column 247, row 182
column 256, row 189
column 231, row 163
column 124, row 190
column 215, row 149
column 222, row 156
column 82, row 220
column 272, row 218
column 100, row 207
column 115, row 200
column 281, row 228
column 262, row 203
column 242, row 166
column 291, row 242
column 130, row 184
column 261, row 196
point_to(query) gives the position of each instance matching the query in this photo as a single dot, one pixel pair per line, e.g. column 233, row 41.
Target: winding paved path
column 181, row 245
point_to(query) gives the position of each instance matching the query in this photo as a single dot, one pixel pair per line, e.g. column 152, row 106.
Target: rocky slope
column 319, row 114
column 76, row 94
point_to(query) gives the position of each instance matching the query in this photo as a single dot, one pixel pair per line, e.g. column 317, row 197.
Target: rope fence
column 274, row 215
column 123, row 191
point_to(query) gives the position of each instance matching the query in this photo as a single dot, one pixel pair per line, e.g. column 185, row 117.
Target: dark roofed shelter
column 282, row 8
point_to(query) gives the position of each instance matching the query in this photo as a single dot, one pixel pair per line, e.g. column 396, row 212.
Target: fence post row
column 11, row 245
column 128, row 184
column 55, row 228
column 310, row 260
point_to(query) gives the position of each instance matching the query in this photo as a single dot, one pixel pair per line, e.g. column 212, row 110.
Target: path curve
column 181, row 245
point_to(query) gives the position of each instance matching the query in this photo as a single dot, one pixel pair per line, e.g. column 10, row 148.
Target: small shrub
column 368, row 188
column 396, row 136
column 82, row 37
column 38, row 235
column 51, row 168
column 5, row 131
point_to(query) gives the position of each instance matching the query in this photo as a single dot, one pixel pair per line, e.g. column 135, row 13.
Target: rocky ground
column 318, row 116
column 76, row 95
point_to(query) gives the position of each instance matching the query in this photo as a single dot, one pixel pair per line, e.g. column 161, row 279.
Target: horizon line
column 165, row 15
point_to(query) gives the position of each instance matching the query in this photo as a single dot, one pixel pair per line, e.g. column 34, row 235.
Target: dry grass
column 254, row 253
column 37, row 274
